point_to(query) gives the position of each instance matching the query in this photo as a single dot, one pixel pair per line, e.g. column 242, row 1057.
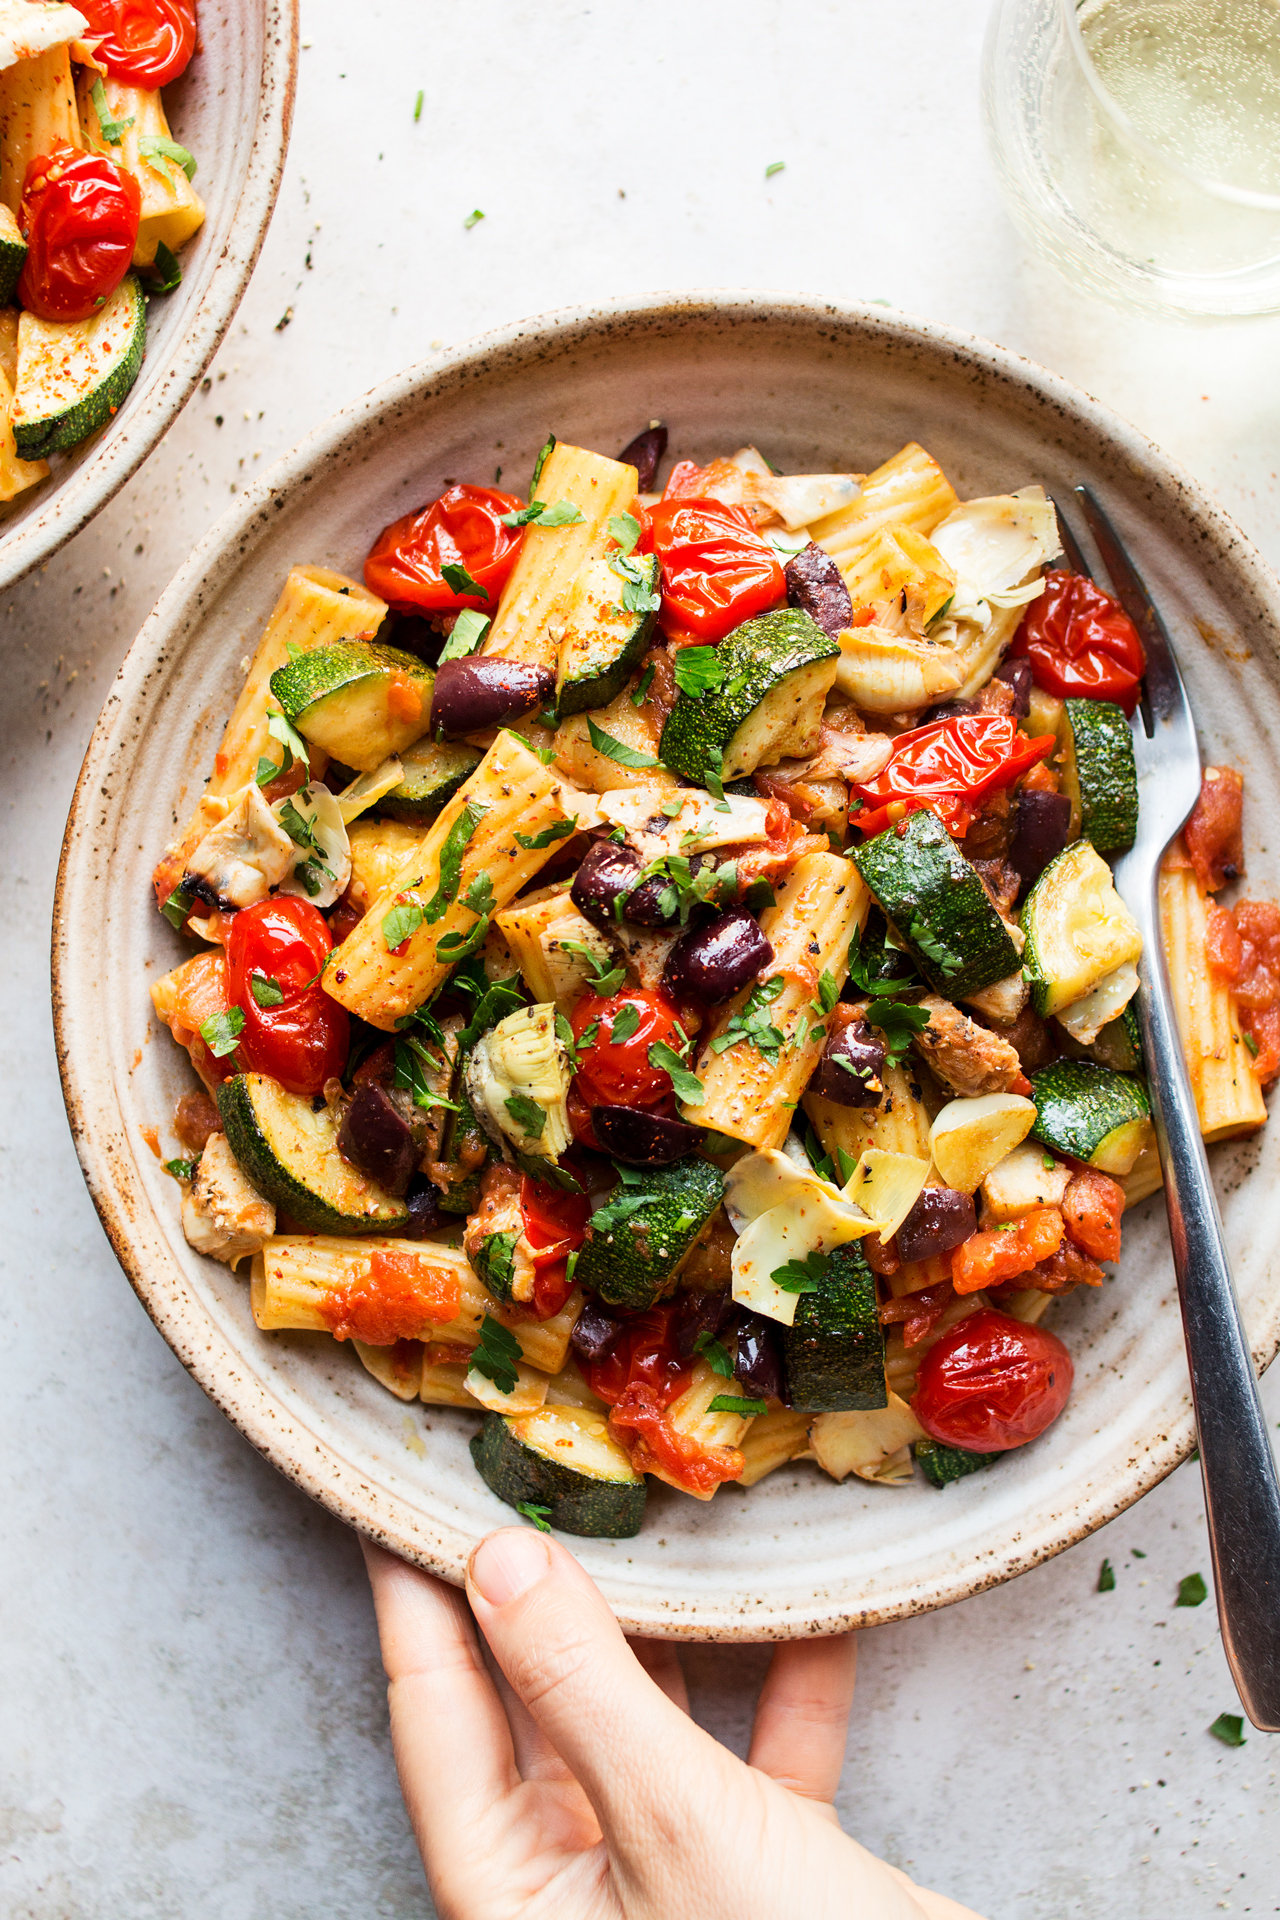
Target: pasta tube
column 172, row 210
column 771, row 1440
column 750, row 1093
column 1219, row 1065
column 535, row 931
column 398, row 1368
column 16, row 475
column 513, row 793
column 690, row 1417
column 37, row 110
column 527, row 623
column 900, row 1124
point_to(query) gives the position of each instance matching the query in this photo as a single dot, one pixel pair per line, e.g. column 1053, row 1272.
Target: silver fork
column 1242, row 1496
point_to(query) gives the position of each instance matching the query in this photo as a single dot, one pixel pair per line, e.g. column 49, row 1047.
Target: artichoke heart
column 518, row 1078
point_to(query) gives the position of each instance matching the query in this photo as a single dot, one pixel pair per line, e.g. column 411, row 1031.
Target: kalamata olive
column 851, row 1070
column 1018, row 675
column 816, row 585
column 595, row 1333
column 413, row 634
column 607, row 871
column 643, row 453
column 758, row 1366
column 696, row 1314
column 1041, row 827
column 947, row 710
column 941, row 1218
column 470, row 695
column 643, row 1139
column 376, row 1141
column 423, row 1202
column 714, row 962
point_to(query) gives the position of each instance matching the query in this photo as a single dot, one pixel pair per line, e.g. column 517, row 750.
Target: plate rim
column 135, row 1232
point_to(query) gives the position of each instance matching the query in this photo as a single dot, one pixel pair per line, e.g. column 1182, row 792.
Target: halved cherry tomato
column 948, row 766
column 302, row 1039
column 555, row 1225
column 1081, row 643
column 716, row 569
column 992, row 1383
column 462, row 528
column 144, row 42
column 80, row 215
column 617, row 1073
column 644, row 1353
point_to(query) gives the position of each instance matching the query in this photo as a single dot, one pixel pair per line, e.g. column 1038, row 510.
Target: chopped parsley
column 605, row 979
column 221, row 1031
column 1106, row 1577
column 493, row 1003
column 497, row 1355
column 539, row 514
column 400, row 924
column 458, row 580
column 737, row 1403
column 527, row 1114
column 161, row 152
column 1229, row 1728
column 802, row 1276
column 456, row 841
column 687, row 1085
column 686, row 887
column 181, row 1169
column 177, row 906
column 417, row 106
column 111, row 130
column 698, row 670
column 716, row 1356
column 1192, row 1592
column 559, row 830
column 1252, row 1045
column 713, row 780
column 615, row 750
column 531, row 1510
column 937, row 950
column 621, row 1205
column 544, row 454
column 751, row 1023
column 898, row 1024
column 641, row 693
column 774, row 166
column 413, row 1061
column 469, row 630
column 828, row 993
column 266, row 991
column 624, row 1024
column 625, row 529
column 281, row 728
column 473, row 219
column 300, row 830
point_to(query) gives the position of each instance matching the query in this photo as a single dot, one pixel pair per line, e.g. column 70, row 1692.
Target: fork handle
column 1241, row 1492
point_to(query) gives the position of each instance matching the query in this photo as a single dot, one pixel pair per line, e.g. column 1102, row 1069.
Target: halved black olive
column 758, row 1367
column 941, row 1218
column 595, row 1333
column 1041, row 826
column 716, row 961
column 816, row 585
column 643, row 1139
column 470, row 695
column 861, row 1082
column 643, row 453
column 376, row 1140
column 423, row 1202
column 1017, row 674
column 696, row 1314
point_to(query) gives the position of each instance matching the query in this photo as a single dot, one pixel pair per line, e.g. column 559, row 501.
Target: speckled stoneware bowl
column 818, row 388
column 232, row 108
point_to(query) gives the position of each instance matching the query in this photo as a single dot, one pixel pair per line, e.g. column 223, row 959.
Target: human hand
column 576, row 1787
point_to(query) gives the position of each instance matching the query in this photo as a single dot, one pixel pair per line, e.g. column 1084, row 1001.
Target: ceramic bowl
column 819, row 388
column 232, row 108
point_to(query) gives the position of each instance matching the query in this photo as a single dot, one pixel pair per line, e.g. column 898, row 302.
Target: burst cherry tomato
column 992, row 1383
column 555, row 1225
column 948, row 766
column 716, row 569
column 146, row 43
column 301, row 1039
column 1081, row 643
column 645, row 1352
column 80, row 214
column 462, row 528
column 617, row 1073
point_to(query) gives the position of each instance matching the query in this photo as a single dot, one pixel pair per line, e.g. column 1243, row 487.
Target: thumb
column 564, row 1654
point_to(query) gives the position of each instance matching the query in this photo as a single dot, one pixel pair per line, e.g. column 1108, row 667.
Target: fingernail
column 507, row 1564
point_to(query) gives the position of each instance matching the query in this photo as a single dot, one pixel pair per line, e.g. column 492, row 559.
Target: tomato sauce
column 392, row 1301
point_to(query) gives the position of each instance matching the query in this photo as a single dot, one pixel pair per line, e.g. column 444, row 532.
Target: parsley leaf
column 688, row 887
column 1229, row 1728
column 713, row 780
column 774, row 166
column 547, row 449
column 559, row 830
column 401, row 924
column 802, row 1276
column 221, row 1031
column 412, row 1058
column 828, row 993
column 497, row 1355
column 299, row 829
column 451, row 854
column 538, row 1514
column 494, row 1004
column 469, row 630
column 620, row 1205
column 737, row 1403
column 159, row 152
column 181, row 1169
column 751, row 1025
column 624, row 1023
column 527, row 1114
column 1192, row 1592
column 625, row 529
column 111, row 130
column 295, row 747
column 641, row 693
column 266, row 991
column 1106, row 1578
column 458, row 580
column 539, row 514
column 451, row 947
column 698, row 670
column 866, row 971
column 687, row 1085
column 898, row 1024
column 614, row 749
column 177, row 907
column 716, row 1356
column 935, row 949
column 606, row 979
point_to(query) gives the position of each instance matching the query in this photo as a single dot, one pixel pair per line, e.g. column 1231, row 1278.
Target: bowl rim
column 87, row 488
column 276, row 1430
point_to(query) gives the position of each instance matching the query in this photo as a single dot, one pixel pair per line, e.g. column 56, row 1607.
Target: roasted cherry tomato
column 80, row 214
column 716, row 569
column 1081, row 643
column 948, row 766
column 146, row 43
column 555, row 1225
column 617, row 1073
column 992, row 1383
column 645, row 1352
column 463, row 528
column 301, row 1039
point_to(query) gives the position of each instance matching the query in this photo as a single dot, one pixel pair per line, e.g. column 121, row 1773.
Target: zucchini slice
column 943, row 1465
column 565, row 1460
column 936, row 903
column 291, row 1156
column 1095, row 754
column 1078, row 929
column 834, row 1351
column 632, row 1255
column 1092, row 1114
column 357, row 701
column 778, row 671
column 73, row 375
column 603, row 638
column 1119, row 1045
column 13, row 253
column 433, row 772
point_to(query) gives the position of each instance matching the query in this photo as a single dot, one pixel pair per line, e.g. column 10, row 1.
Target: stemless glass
column 1138, row 143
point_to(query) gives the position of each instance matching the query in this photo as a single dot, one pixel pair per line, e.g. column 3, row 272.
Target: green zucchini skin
column 758, row 658
column 43, row 428
column 599, row 654
column 433, row 772
column 1102, row 746
column 291, row 1156
column 935, row 901
column 834, row 1352
column 325, row 672
column 630, row 1265
column 13, row 254
column 881, row 964
column 942, row 1466
column 1118, row 1046
column 584, row 1504
column 1080, row 1105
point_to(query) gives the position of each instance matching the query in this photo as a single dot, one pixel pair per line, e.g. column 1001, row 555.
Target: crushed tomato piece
column 392, row 1301
column 1091, row 1211
column 1214, row 835
column 638, row 1423
column 989, row 1257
